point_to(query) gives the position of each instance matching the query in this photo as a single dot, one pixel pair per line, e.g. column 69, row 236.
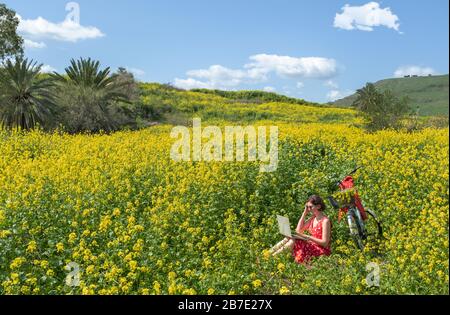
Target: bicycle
column 363, row 224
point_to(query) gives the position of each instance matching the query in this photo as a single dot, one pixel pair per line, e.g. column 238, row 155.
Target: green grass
column 178, row 106
column 255, row 96
column 429, row 94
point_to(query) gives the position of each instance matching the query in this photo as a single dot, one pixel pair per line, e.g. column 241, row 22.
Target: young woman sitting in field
column 317, row 243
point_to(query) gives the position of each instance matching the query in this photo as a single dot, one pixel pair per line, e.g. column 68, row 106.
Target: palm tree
column 381, row 109
column 367, row 98
column 25, row 97
column 88, row 92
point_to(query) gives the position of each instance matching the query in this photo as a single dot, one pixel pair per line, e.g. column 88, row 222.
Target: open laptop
column 285, row 228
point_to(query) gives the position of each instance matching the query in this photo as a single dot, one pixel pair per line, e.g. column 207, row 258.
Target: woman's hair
column 317, row 201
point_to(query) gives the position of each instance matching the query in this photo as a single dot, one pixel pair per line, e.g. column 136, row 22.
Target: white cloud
column 331, row 84
column 262, row 65
column 334, row 95
column 294, row 67
column 413, row 70
column 300, row 85
column 33, row 45
column 136, row 72
column 269, row 89
column 190, row 83
column 67, row 30
column 366, row 17
column 218, row 75
column 47, row 69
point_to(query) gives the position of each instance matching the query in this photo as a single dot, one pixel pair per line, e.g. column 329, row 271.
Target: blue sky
column 316, row 50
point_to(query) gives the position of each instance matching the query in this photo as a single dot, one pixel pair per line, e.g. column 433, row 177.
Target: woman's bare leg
column 288, row 243
column 278, row 245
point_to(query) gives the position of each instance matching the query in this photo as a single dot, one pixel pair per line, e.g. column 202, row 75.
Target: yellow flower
column 256, row 283
column 16, row 263
column 210, row 291
column 139, row 245
column 31, row 248
column 72, row 237
column 133, row 265
column 284, row 290
column 105, row 222
column 2, row 216
column 118, row 195
column 189, row 292
column 90, row 269
column 207, row 262
column 172, row 289
column 172, row 275
column 25, row 290
column 116, row 212
column 347, row 280
column 5, row 233
column 15, row 278
column 59, row 247
column 157, row 287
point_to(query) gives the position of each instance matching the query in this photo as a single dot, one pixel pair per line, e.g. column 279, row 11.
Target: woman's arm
column 301, row 223
column 326, row 234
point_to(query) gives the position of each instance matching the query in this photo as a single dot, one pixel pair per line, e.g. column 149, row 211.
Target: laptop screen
column 284, row 226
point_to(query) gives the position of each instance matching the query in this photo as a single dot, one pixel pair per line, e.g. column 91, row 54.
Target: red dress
column 304, row 250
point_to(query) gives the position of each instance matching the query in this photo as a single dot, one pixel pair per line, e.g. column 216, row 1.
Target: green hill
column 165, row 103
column 430, row 93
column 252, row 96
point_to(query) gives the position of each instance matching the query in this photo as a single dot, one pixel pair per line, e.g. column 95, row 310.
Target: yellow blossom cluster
column 136, row 222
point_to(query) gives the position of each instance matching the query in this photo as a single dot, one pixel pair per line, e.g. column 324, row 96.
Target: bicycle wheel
column 373, row 226
column 355, row 229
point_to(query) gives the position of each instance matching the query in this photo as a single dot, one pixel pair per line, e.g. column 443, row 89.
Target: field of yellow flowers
column 135, row 222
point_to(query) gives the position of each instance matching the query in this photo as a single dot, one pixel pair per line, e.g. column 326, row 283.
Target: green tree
column 10, row 43
column 89, row 96
column 381, row 109
column 26, row 98
column 368, row 98
column 127, row 82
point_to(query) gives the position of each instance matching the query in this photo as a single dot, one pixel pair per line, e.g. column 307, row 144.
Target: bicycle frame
column 350, row 222
column 352, row 207
column 353, row 212
column 355, row 208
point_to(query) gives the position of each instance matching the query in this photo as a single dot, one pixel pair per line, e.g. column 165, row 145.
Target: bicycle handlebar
column 354, row 171
column 351, row 173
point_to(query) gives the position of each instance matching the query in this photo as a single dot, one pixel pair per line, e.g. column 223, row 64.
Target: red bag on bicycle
column 348, row 183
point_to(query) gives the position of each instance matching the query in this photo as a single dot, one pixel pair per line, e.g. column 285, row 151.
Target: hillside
column 430, row 94
column 168, row 104
column 255, row 96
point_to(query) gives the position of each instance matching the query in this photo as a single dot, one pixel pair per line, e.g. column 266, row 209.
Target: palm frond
column 25, row 98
